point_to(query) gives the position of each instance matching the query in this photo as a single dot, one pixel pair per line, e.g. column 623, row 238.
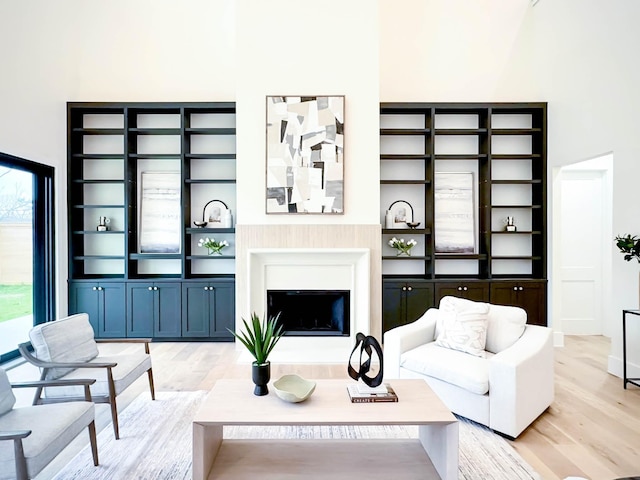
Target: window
column 26, row 250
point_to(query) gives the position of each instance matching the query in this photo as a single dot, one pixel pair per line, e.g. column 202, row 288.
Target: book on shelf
column 360, row 393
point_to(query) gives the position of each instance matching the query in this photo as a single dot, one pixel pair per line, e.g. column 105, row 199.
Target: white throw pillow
column 463, row 327
column 68, row 340
column 506, row 326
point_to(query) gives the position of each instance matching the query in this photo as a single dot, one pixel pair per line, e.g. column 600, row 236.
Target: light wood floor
column 592, row 429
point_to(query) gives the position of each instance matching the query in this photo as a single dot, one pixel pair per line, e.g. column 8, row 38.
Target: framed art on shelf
column 305, row 154
column 216, row 214
column 160, row 213
column 401, row 214
column 454, row 213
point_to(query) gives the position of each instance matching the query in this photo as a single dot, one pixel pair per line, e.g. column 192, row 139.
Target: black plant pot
column 261, row 374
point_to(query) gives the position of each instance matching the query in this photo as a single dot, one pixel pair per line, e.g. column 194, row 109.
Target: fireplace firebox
column 311, row 312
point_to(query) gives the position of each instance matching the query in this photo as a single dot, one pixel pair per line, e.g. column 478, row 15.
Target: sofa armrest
column 406, row 337
column 521, row 381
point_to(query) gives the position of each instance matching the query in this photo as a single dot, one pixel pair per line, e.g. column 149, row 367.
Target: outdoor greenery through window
column 16, row 256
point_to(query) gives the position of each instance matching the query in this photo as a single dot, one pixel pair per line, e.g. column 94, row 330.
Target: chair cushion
column 129, row 367
column 463, row 327
column 7, row 399
column 53, row 427
column 69, row 339
column 457, row 368
column 506, row 326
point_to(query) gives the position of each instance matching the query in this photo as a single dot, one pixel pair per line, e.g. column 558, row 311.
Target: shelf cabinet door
column 168, row 320
column 196, row 309
column 224, row 310
column 530, row 295
column 154, row 310
column 140, row 309
column 404, row 302
column 104, row 303
column 476, row 291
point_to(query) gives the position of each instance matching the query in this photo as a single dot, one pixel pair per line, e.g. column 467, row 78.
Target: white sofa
column 505, row 386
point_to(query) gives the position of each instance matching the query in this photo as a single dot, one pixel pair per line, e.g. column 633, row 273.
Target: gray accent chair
column 66, row 349
column 30, row 437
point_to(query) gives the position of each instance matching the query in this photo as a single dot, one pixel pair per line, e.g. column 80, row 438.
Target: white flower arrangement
column 212, row 246
column 403, row 248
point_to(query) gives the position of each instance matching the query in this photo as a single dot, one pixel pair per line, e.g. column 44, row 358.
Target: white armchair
column 505, row 387
column 66, row 349
column 30, row 437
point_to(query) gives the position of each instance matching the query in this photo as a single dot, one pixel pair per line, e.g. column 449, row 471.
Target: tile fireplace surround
column 306, row 257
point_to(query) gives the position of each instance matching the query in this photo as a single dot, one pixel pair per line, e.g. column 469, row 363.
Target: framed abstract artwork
column 159, row 220
column 454, row 212
column 305, row 155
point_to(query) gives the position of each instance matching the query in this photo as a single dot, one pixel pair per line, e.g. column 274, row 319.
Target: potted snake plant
column 260, row 336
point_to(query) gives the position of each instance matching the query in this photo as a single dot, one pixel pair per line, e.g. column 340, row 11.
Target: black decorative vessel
column 261, row 374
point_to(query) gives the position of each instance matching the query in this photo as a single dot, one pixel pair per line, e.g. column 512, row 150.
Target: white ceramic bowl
column 293, row 388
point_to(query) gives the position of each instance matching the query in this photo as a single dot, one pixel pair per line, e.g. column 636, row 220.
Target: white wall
column 288, row 47
column 585, row 67
column 450, row 51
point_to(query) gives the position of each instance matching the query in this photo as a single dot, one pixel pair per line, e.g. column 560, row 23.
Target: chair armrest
column 29, row 357
column 521, row 381
column 54, row 383
column 146, row 341
column 14, row 434
column 406, row 337
column 123, row 340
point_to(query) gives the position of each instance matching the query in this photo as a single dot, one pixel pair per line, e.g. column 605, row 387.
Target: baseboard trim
column 614, row 367
column 558, row 339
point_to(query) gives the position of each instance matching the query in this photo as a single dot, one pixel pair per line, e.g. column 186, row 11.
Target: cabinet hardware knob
column 100, row 288
column 459, row 289
column 520, row 288
column 465, row 288
column 404, row 289
column 409, row 288
column 206, row 288
column 515, row 289
column 94, row 288
column 155, row 288
column 150, row 288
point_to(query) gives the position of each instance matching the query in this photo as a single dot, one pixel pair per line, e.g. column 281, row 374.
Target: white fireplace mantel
column 311, row 269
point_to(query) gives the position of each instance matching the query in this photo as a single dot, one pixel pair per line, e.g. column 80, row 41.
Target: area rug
column 155, row 443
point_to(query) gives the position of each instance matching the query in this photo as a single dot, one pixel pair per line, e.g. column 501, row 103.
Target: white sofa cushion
column 465, row 371
column 52, row 429
column 463, row 327
column 69, row 339
column 7, row 399
column 128, row 369
column 505, row 326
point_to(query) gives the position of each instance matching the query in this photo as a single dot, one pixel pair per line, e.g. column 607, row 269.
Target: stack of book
column 361, row 393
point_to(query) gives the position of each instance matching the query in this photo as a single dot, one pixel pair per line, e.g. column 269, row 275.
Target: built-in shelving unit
column 502, row 147
column 112, row 147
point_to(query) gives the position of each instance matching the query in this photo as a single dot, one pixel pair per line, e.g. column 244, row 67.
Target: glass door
column 26, row 257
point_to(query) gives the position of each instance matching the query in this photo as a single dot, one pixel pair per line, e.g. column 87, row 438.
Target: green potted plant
column 630, row 246
column 260, row 336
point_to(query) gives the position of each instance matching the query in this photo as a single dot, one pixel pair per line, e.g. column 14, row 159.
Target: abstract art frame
column 160, row 221
column 305, row 155
column 454, row 213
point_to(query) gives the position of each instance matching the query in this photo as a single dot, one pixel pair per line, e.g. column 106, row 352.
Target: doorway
column 581, row 247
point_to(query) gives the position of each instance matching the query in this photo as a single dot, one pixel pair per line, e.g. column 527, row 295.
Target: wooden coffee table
column 231, row 402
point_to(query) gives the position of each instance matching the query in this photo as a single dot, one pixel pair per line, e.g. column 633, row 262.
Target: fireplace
column 311, row 312
column 311, row 270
